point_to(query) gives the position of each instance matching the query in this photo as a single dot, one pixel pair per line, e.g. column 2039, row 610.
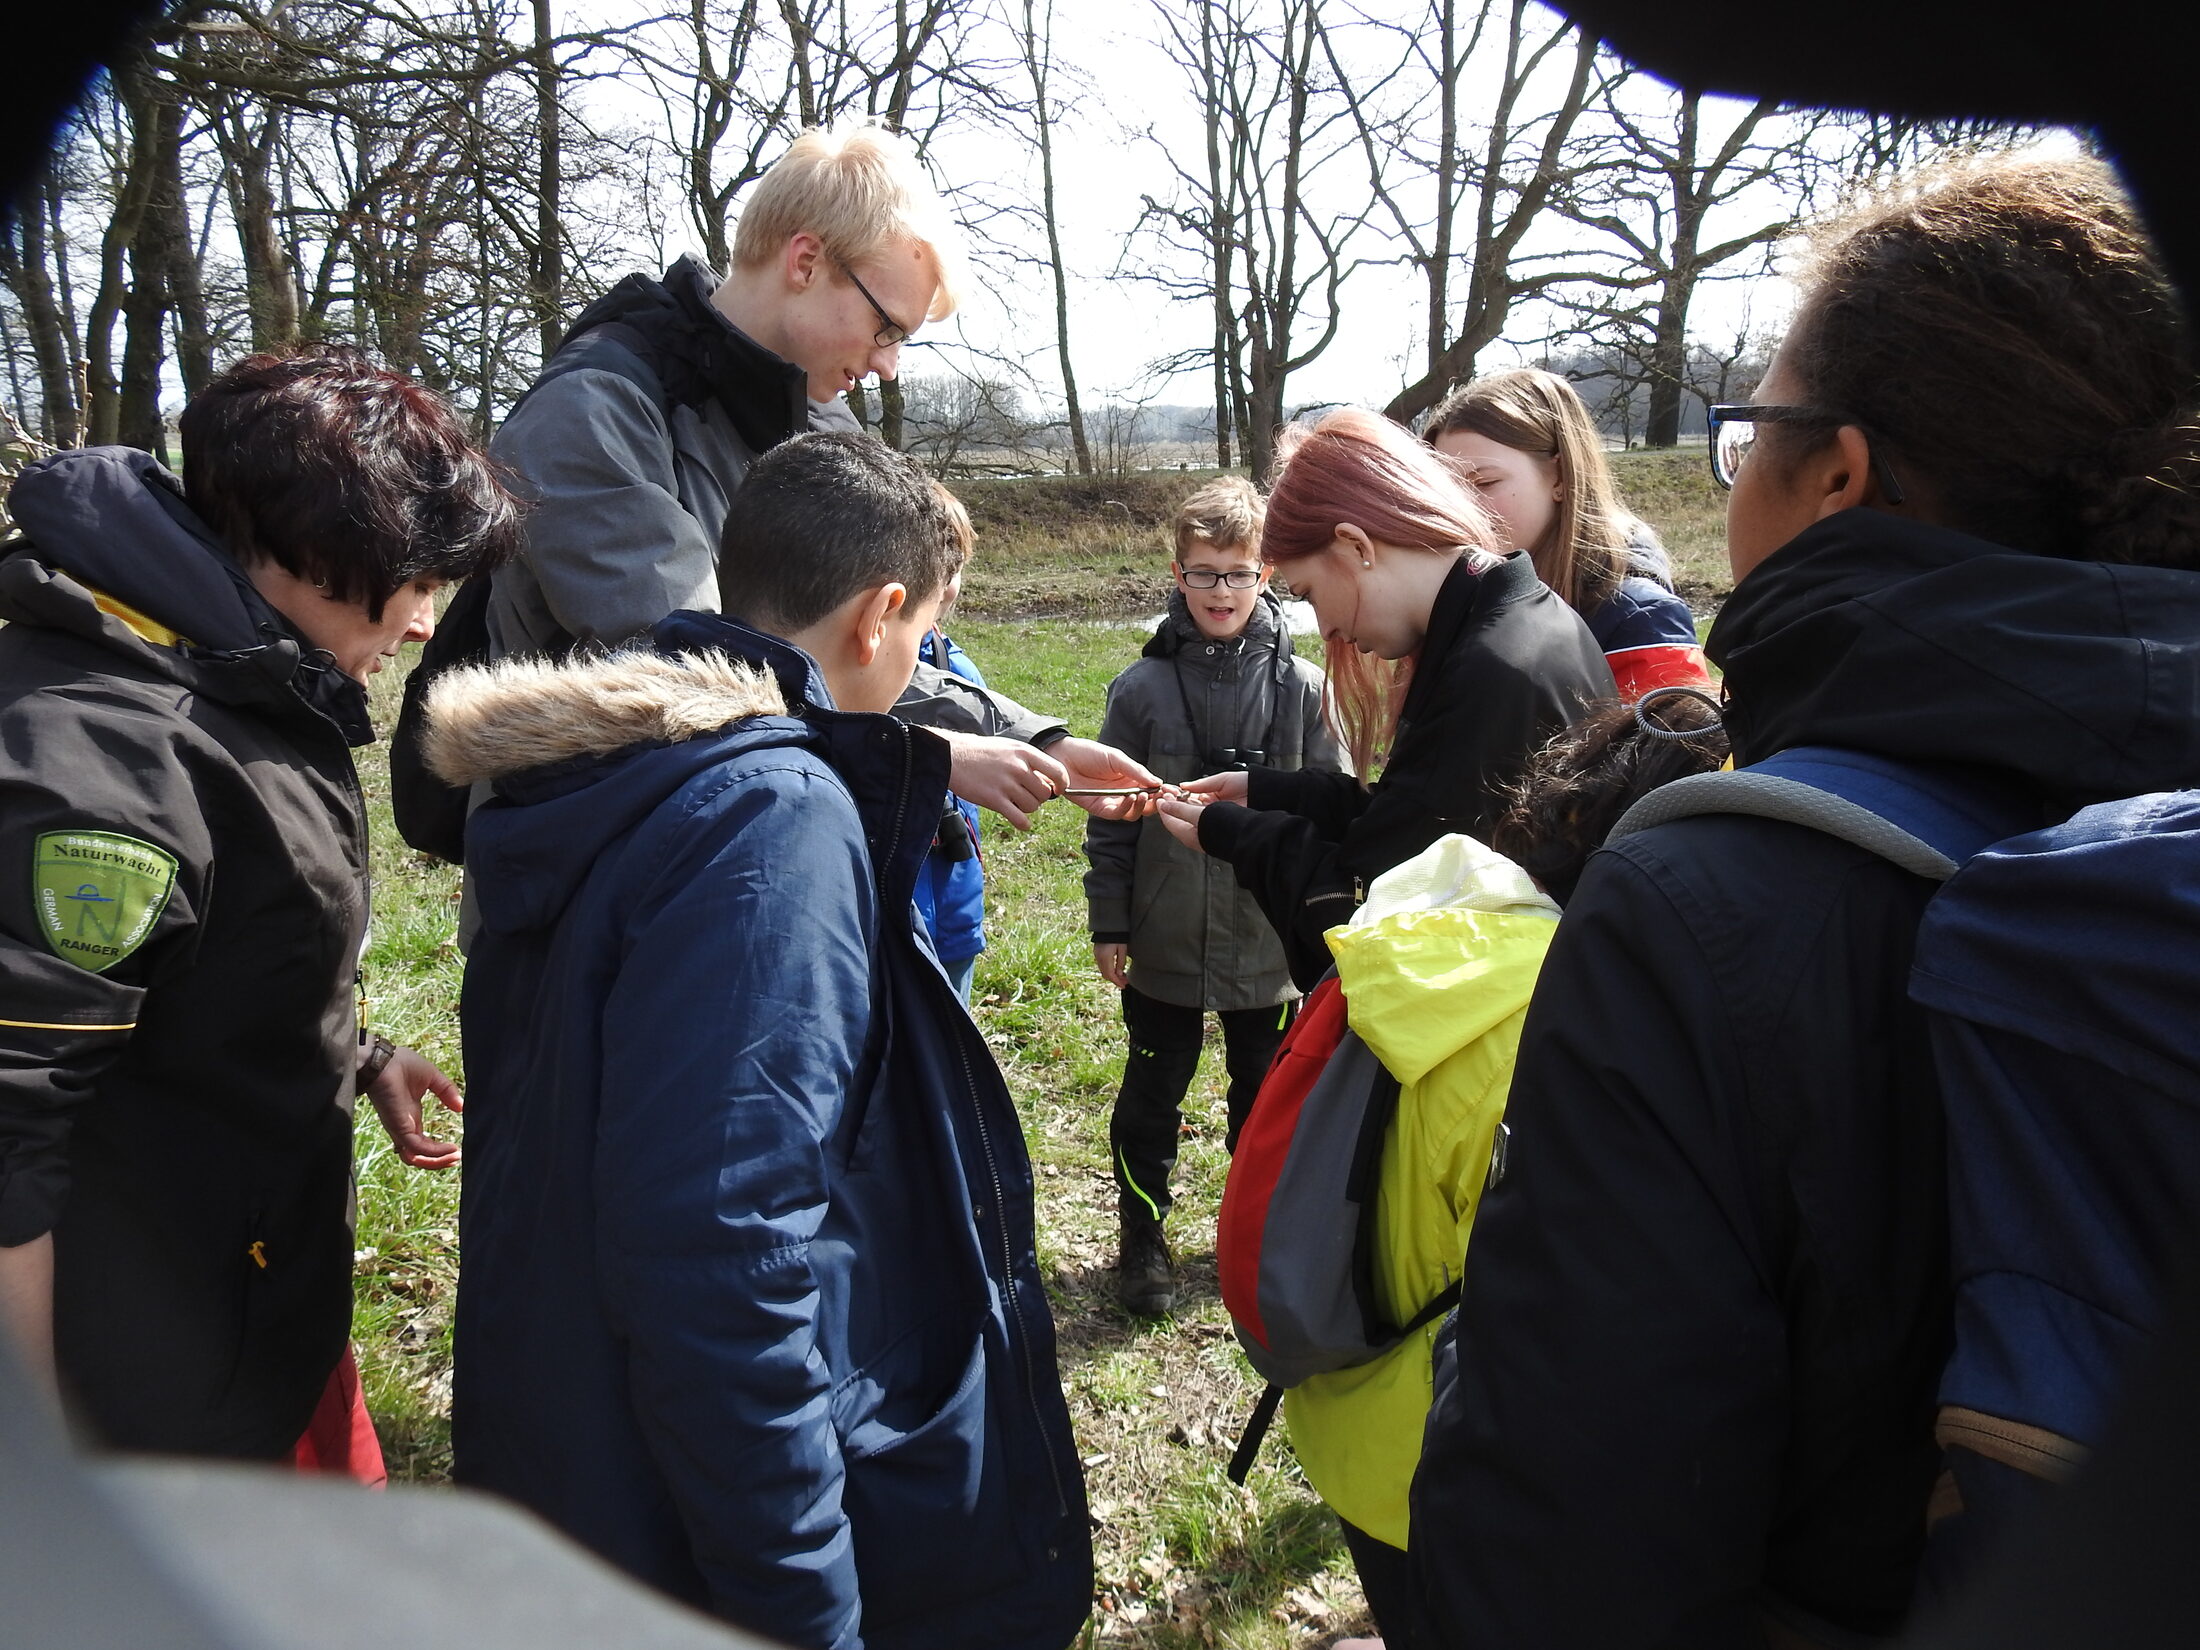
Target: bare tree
column 1463, row 209
column 1278, row 119
column 1668, row 171
column 1035, row 37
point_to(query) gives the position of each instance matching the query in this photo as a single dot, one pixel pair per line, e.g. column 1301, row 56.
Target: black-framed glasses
column 1734, row 434
column 1206, row 578
column 890, row 331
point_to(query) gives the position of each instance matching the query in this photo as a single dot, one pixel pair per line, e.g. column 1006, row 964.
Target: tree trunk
column 1668, row 363
column 144, row 342
column 271, row 289
column 30, row 277
column 103, row 392
column 1038, row 58
column 890, row 428
column 549, row 249
column 1220, row 223
column 168, row 216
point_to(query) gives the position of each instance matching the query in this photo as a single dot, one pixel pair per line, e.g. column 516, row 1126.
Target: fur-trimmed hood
column 489, row 722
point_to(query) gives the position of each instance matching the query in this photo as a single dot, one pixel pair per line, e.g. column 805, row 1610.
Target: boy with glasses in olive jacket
column 1217, row 687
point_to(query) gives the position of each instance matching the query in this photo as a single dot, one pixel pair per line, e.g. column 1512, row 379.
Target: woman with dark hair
column 1526, row 444
column 1448, row 664
column 183, row 887
column 1690, row 1398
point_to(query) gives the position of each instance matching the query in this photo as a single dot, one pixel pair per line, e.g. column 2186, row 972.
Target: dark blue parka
column 750, row 1304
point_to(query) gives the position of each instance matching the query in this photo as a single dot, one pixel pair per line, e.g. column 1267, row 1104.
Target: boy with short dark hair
column 1218, row 687
column 747, row 1205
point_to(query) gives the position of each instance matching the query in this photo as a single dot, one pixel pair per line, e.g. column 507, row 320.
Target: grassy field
column 1184, row 1557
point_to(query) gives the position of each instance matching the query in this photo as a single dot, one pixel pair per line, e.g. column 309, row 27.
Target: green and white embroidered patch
column 98, row 894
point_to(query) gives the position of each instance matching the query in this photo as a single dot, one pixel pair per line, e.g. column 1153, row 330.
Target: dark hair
column 2003, row 330
column 1576, row 787
column 343, row 473
column 825, row 516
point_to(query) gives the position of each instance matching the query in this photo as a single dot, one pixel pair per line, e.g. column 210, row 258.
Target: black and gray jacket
column 630, row 489
column 183, row 895
column 1189, row 707
column 1505, row 665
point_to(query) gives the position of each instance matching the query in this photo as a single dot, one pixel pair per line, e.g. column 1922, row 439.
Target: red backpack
column 1295, row 1243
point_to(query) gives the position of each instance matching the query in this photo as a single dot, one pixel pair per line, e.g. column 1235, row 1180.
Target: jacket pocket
column 929, row 1508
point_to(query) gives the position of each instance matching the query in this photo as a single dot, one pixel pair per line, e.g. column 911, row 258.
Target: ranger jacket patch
column 98, row 894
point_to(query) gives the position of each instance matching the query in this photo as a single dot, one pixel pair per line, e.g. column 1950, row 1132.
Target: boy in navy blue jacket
column 750, row 1301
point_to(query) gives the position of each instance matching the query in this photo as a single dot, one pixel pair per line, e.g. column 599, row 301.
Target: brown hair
column 2002, row 329
column 1584, row 555
column 1355, row 466
column 344, row 473
column 1576, row 787
column 1226, row 512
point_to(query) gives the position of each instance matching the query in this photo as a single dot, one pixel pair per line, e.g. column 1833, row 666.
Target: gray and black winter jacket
column 630, row 489
column 1189, row 707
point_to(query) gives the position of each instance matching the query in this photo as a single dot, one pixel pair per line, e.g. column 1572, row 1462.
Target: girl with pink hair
column 1449, row 664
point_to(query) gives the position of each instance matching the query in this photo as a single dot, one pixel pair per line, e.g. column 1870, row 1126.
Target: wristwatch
column 379, row 1051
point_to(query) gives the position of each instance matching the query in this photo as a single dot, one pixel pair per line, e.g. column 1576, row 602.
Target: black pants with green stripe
column 1164, row 1056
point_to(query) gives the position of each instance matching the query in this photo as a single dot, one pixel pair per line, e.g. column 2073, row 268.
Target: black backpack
column 431, row 815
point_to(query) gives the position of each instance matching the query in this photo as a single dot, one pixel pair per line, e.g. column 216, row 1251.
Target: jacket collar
column 117, row 557
column 1465, row 596
column 1878, row 633
column 896, row 774
column 700, row 356
column 1178, row 634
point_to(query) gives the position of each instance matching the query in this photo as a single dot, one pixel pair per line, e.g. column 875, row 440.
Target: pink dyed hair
column 1354, row 466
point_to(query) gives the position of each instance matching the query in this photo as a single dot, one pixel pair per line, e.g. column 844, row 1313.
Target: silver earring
column 1364, row 562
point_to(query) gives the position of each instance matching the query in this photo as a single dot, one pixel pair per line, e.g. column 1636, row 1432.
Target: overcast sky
column 1129, row 108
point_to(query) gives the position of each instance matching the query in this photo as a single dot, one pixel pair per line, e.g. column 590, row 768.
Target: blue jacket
column 951, row 890
column 750, row 1302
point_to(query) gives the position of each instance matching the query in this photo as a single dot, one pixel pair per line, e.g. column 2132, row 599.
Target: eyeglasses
column 890, row 331
column 1206, row 578
column 1734, row 435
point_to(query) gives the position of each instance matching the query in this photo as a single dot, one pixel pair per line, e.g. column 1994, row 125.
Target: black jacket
column 1505, row 664
column 1694, row 1369
column 182, row 901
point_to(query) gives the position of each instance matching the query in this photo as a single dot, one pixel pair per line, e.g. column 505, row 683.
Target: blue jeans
column 958, row 975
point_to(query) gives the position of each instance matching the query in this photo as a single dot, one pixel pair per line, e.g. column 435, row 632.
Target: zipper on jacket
column 1013, row 1318
column 1011, row 1297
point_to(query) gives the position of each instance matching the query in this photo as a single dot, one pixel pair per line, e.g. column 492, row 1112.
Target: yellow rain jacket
column 1436, row 968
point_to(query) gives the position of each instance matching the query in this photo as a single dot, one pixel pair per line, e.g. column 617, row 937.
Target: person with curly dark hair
column 1690, row 1397
column 183, row 892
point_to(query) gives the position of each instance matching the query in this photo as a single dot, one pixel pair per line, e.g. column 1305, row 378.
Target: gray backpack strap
column 1768, row 796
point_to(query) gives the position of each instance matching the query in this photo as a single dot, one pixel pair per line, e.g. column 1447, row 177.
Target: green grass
column 1674, row 492
column 1184, row 1557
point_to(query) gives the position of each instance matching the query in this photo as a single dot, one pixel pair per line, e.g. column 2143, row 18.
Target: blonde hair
column 857, row 189
column 1227, row 511
column 958, row 522
column 1584, row 555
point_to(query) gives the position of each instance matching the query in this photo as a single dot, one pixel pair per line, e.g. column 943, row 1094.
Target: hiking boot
column 1145, row 1275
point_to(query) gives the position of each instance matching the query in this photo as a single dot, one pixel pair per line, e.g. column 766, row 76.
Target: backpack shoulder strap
column 1925, row 820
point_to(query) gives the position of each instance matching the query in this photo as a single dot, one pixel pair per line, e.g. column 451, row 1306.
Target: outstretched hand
column 1005, row 775
column 1234, row 786
column 397, row 1093
column 1180, row 818
column 1093, row 766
